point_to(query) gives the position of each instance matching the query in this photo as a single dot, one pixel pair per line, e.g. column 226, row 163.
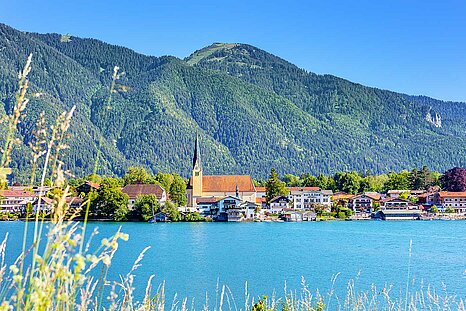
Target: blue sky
column 414, row 47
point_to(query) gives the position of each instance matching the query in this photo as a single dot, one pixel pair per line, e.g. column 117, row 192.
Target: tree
column 434, row 209
column 274, row 186
column 348, row 182
column 454, row 179
column 308, row 180
column 177, row 191
column 172, row 211
column 136, row 175
column 404, row 195
column 291, row 180
column 110, row 201
column 398, row 181
column 146, row 206
column 164, row 179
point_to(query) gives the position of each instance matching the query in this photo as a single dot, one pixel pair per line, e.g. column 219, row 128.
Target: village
column 235, row 198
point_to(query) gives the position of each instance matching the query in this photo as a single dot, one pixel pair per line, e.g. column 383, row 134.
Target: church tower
column 197, row 170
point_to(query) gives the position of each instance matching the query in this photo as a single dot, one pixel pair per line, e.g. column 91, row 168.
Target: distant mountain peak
column 203, row 53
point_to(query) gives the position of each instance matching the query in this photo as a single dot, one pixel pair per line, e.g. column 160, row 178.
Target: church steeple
column 197, row 154
column 197, row 170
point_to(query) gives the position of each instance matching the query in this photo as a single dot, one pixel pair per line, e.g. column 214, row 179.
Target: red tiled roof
column 93, row 184
column 303, row 188
column 135, row 190
column 16, row 193
column 451, row 194
column 205, row 200
column 261, row 200
column 226, row 183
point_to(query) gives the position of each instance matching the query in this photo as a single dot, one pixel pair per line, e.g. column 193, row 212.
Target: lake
column 192, row 258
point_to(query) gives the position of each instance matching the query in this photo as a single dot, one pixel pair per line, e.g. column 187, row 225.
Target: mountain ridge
column 253, row 110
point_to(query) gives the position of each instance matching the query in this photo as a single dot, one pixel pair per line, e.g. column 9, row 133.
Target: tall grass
column 60, row 270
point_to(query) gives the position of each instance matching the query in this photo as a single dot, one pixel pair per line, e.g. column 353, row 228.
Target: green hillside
column 252, row 110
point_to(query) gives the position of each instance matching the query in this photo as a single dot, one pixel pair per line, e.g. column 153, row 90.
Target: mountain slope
column 252, row 110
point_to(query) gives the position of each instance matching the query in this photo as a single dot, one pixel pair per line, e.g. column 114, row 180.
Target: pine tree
column 274, row 186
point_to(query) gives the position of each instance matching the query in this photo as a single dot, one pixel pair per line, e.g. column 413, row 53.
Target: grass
column 60, row 271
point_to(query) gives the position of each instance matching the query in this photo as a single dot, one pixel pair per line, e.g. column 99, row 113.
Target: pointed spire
column 237, row 191
column 197, row 153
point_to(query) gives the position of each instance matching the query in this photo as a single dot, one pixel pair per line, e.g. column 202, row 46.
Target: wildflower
column 14, row 269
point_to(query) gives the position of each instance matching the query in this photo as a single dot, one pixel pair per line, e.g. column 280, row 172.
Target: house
column 135, row 190
column 206, row 206
column 161, row 217
column 341, row 198
column 363, row 203
column 15, row 200
column 46, row 205
column 304, row 198
column 309, row 216
column 398, row 209
column 396, row 193
column 453, row 200
column 397, row 204
column 228, row 209
column 37, row 190
column 278, row 204
column 240, row 186
column 87, row 187
column 249, row 209
column 292, row 216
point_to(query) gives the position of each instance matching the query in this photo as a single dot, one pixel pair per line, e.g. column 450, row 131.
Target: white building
column 15, row 200
column 453, row 200
column 307, row 197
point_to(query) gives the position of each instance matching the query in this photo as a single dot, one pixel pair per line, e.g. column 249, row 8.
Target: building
column 219, row 186
column 161, row 217
column 86, row 187
column 291, row 216
column 398, row 209
column 363, row 203
column 12, row 201
column 305, row 198
column 135, row 190
column 453, row 200
column 278, row 204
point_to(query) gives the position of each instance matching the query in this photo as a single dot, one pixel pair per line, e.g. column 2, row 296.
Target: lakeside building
column 305, row 198
column 135, row 190
column 12, row 201
column 363, row 204
column 398, row 209
column 453, row 200
column 278, row 204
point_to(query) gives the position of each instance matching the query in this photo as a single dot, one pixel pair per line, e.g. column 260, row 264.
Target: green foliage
column 348, row 182
column 146, row 206
column 193, row 217
column 109, row 201
column 404, row 195
column 172, row 211
column 136, row 175
column 274, row 186
column 177, row 191
column 434, row 209
column 398, row 181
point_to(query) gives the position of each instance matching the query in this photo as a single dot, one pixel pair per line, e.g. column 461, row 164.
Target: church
column 216, row 186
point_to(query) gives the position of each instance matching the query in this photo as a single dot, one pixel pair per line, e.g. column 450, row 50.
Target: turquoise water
column 192, row 258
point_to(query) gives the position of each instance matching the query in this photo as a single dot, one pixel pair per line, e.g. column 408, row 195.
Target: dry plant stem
column 96, row 163
column 14, row 120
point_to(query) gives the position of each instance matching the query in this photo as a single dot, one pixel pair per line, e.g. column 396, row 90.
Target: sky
column 414, row 47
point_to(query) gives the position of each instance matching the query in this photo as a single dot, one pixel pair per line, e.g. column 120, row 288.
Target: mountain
column 252, row 110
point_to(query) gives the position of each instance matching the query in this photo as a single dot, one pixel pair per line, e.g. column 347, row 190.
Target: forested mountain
column 253, row 111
